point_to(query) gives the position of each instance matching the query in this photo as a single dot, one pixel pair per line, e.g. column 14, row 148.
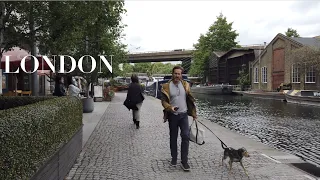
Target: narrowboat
column 305, row 97
column 217, row 89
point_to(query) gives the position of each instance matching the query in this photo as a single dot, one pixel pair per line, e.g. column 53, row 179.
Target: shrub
column 31, row 134
column 7, row 102
column 111, row 93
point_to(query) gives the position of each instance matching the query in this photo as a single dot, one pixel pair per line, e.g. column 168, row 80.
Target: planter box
column 59, row 165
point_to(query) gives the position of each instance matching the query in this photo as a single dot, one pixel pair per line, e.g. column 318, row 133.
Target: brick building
column 274, row 66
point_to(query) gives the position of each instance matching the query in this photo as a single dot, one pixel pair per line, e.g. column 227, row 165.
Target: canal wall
column 262, row 95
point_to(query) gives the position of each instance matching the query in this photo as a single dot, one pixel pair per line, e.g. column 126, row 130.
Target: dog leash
column 213, row 134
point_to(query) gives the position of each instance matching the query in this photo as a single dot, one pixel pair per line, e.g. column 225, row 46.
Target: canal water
column 288, row 127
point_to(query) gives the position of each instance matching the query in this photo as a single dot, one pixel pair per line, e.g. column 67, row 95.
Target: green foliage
column 31, row 134
column 8, row 33
column 111, row 93
column 161, row 68
column 244, row 78
column 7, row 102
column 127, row 68
column 186, row 64
column 292, row 33
column 142, row 67
column 103, row 31
column 114, row 83
column 61, row 27
column 220, row 37
column 306, row 57
column 150, row 68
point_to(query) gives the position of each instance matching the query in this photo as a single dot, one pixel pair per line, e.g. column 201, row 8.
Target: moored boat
column 219, row 89
column 306, row 97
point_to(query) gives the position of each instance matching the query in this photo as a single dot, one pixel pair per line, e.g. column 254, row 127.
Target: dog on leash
column 234, row 156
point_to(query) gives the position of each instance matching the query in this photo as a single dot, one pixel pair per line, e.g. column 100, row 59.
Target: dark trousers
column 176, row 121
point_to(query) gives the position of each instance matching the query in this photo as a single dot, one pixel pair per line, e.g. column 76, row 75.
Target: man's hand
column 174, row 109
column 195, row 118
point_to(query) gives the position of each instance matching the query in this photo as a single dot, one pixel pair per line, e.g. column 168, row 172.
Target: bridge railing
column 162, row 51
column 190, row 49
column 254, row 46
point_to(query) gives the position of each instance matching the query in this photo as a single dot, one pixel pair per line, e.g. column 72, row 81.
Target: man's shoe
column 137, row 124
column 185, row 166
column 173, row 163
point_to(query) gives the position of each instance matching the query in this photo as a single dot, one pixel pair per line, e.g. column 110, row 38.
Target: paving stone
column 117, row 150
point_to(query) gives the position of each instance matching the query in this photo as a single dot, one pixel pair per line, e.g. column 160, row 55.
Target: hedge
column 31, row 134
column 7, row 102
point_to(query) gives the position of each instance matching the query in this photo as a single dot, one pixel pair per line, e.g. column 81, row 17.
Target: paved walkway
column 116, row 150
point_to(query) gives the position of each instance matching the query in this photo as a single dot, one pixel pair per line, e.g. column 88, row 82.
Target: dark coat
column 134, row 96
column 59, row 90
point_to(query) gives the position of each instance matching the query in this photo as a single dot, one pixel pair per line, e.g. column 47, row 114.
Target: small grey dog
column 235, row 156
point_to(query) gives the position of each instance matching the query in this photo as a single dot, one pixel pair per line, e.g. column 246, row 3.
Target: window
column 256, row 75
column 310, row 75
column 264, row 74
column 295, row 74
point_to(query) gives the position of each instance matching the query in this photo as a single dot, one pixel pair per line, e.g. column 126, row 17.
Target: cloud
column 303, row 7
column 168, row 25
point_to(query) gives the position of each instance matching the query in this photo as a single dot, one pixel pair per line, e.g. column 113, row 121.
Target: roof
column 273, row 40
column 237, row 49
column 219, row 53
column 257, row 52
column 308, row 41
column 258, row 46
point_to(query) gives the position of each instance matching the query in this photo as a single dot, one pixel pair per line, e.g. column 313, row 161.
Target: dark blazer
column 134, row 94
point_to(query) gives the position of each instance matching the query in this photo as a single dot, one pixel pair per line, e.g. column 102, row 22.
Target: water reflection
column 285, row 126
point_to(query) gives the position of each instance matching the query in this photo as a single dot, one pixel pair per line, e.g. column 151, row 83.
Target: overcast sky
column 168, row 25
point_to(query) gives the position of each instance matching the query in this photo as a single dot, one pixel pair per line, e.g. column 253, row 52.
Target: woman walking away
column 135, row 97
column 59, row 89
column 72, row 89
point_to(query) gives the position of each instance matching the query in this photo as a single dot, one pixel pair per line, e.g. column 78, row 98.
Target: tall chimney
column 265, row 45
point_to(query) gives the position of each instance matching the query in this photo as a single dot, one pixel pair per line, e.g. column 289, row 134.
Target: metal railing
column 189, row 49
column 253, row 45
column 162, row 51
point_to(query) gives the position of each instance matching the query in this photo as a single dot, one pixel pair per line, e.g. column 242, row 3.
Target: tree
column 186, row 64
column 307, row 57
column 220, row 37
column 127, row 68
column 243, row 78
column 9, row 21
column 149, row 68
column 66, row 28
column 292, row 33
column 161, row 68
column 96, row 34
column 142, row 67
